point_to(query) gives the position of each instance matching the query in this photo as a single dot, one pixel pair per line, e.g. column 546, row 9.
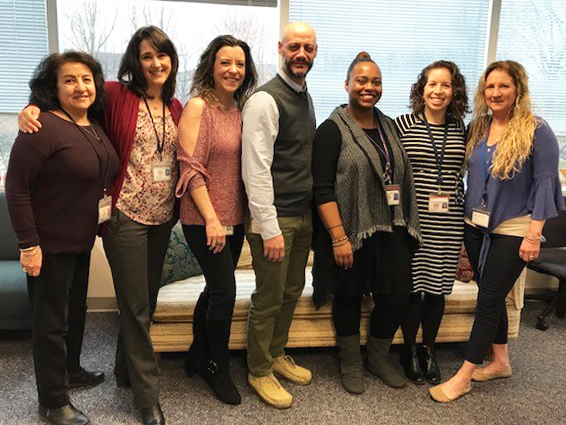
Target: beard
column 301, row 74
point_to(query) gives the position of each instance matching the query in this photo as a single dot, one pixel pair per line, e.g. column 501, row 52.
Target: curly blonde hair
column 516, row 142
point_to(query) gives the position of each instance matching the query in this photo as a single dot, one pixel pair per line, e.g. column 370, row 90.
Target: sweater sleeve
column 545, row 199
column 326, row 152
column 193, row 172
column 28, row 157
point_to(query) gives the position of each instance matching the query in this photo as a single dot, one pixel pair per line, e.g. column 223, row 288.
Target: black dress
column 382, row 265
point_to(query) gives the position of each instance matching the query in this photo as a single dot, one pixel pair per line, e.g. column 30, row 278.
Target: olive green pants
column 278, row 287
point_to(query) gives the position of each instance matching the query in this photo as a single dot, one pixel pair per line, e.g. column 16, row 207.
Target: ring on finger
column 219, row 243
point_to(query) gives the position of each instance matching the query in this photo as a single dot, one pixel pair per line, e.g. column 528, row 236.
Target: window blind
column 401, row 37
column 23, row 37
column 532, row 32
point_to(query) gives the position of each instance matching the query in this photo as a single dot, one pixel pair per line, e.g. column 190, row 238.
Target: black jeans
column 502, row 268
column 213, row 313
column 58, row 297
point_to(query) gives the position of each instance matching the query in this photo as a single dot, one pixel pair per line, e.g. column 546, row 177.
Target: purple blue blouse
column 534, row 190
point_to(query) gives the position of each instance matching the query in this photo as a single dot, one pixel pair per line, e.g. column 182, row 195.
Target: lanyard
column 486, row 165
column 388, row 173
column 438, row 156
column 84, row 133
column 160, row 145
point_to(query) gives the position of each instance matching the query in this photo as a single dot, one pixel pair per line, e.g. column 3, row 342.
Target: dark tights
column 385, row 317
column 427, row 309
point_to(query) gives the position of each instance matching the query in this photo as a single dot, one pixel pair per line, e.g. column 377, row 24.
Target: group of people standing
column 389, row 212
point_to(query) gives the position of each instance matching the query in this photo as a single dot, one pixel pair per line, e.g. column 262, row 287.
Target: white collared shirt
column 260, row 117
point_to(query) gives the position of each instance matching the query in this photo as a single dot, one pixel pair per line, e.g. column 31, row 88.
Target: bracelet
column 31, row 250
column 534, row 239
column 339, row 242
column 334, row 227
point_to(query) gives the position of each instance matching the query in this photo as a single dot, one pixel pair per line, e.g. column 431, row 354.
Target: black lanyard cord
column 439, row 157
column 160, row 144
column 84, row 132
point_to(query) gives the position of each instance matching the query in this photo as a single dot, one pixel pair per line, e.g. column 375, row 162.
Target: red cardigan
column 120, row 118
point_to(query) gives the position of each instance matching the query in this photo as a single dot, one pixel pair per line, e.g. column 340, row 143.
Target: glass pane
column 402, row 38
column 532, row 32
column 104, row 27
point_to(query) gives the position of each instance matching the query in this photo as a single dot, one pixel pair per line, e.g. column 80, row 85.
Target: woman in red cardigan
column 141, row 118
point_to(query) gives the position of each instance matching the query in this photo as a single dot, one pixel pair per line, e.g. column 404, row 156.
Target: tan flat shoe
column 481, row 375
column 438, row 395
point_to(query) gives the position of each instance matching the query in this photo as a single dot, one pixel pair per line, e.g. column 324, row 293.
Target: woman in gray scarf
column 368, row 227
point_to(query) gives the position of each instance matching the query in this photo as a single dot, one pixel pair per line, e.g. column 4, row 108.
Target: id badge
column 104, row 208
column 161, row 172
column 254, row 228
column 228, row 230
column 393, row 194
column 480, row 217
column 438, row 202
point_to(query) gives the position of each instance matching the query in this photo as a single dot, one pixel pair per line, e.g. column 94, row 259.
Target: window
column 531, row 32
column 104, row 27
column 401, row 37
column 23, row 36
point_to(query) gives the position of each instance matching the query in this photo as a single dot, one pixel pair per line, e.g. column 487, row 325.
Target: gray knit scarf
column 360, row 189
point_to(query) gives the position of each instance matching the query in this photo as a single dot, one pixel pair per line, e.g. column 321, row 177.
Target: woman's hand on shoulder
column 31, row 261
column 28, row 121
column 215, row 235
column 344, row 255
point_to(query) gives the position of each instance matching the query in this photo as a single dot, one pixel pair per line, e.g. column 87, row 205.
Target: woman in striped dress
column 434, row 139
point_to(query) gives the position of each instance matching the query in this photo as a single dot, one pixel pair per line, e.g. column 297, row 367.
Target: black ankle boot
column 221, row 383
column 429, row 366
column 410, row 364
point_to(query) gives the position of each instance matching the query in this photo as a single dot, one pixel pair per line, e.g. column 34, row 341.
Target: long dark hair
column 458, row 106
column 130, row 73
column 203, row 79
column 43, row 84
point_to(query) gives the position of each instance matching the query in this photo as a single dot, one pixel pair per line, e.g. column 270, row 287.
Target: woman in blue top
column 513, row 187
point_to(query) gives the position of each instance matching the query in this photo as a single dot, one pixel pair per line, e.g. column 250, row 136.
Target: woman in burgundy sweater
column 58, row 193
column 141, row 118
column 212, row 200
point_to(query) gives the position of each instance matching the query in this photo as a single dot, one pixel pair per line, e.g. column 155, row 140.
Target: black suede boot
column 220, row 381
column 197, row 357
column 411, row 366
column 429, row 366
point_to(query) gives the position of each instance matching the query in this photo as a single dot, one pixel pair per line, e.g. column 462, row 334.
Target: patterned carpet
column 534, row 395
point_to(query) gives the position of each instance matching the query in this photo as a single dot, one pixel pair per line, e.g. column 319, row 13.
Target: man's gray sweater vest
column 292, row 156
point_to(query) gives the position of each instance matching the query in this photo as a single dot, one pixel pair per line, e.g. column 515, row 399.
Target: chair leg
column 561, row 300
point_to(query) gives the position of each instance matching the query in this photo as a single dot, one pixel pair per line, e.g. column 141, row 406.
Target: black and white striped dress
column 434, row 264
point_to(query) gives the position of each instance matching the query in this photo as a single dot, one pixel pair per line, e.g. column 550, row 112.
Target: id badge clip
column 439, row 202
column 228, row 230
column 161, row 171
column 104, row 208
column 393, row 194
column 480, row 217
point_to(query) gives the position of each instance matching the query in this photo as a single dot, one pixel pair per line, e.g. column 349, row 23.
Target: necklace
column 94, row 132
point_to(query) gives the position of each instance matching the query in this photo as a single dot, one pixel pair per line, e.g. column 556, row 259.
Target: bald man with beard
column 277, row 139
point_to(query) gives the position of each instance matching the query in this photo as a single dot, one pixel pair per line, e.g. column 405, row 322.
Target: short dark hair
column 360, row 57
column 43, row 84
column 130, row 73
column 458, row 106
column 203, row 79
